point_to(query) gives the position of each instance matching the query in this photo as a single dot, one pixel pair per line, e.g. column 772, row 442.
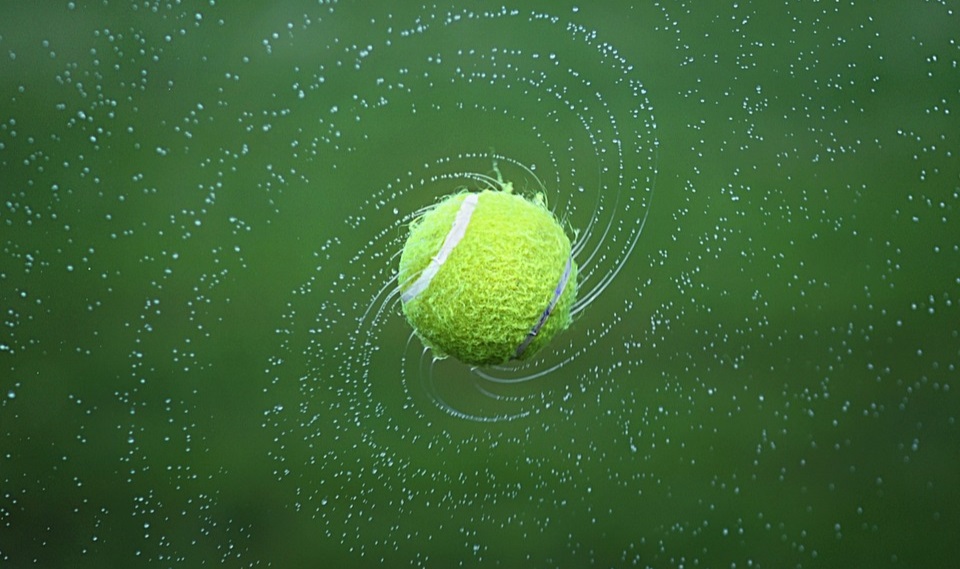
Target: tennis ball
column 487, row 277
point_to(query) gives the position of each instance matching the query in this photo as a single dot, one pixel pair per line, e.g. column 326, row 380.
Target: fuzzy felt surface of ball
column 487, row 277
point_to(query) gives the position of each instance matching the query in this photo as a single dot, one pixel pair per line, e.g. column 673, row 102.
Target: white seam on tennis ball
column 456, row 233
column 557, row 293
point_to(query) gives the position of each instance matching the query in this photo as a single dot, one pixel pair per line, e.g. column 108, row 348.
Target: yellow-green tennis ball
column 487, row 277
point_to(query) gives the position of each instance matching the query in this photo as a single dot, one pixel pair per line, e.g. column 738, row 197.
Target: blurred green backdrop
column 201, row 200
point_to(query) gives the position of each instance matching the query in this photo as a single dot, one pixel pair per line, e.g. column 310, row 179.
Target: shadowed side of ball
column 487, row 277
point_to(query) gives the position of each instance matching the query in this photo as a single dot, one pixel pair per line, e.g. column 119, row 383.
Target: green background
column 201, row 362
